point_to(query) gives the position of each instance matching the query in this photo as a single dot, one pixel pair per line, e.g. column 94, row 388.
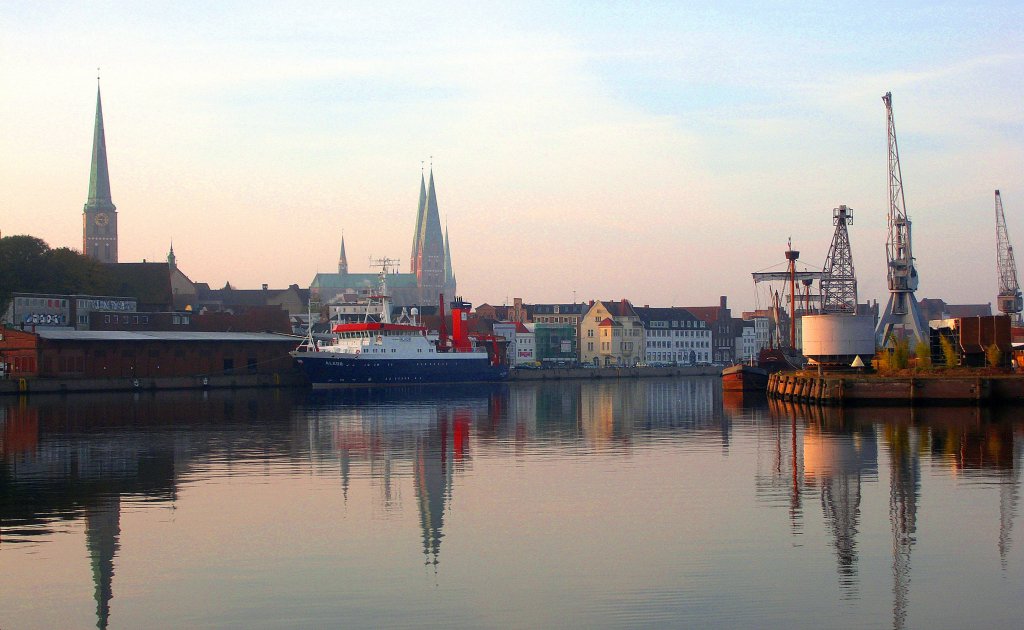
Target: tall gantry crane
column 1010, row 301
column 902, row 317
column 838, row 278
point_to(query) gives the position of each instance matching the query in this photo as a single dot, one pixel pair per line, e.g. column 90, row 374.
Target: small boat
column 744, row 378
column 388, row 353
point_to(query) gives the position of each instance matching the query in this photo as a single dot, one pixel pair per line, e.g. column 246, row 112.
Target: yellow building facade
column 611, row 333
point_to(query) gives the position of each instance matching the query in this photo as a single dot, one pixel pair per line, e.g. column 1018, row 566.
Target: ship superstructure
column 385, row 352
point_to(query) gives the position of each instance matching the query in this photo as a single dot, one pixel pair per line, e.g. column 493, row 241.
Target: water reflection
column 82, row 460
column 840, row 452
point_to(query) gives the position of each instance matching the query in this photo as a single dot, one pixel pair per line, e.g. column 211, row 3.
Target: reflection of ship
column 384, row 352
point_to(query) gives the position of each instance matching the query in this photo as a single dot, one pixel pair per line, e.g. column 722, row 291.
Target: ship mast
column 382, row 294
column 792, row 256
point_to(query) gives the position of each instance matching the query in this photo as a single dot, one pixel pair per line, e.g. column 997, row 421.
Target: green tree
column 69, row 272
column 923, row 352
column 994, row 356
column 22, row 265
column 949, row 354
column 900, row 353
column 28, row 265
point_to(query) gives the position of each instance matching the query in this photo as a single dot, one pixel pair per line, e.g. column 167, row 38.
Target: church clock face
column 102, row 219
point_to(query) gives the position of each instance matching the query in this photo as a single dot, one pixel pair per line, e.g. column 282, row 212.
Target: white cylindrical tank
column 838, row 338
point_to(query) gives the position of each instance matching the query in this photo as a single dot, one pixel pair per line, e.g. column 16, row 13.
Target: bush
column 924, row 355
column 949, row 354
column 994, row 356
column 900, row 358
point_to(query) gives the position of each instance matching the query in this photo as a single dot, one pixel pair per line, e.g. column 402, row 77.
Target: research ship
column 383, row 352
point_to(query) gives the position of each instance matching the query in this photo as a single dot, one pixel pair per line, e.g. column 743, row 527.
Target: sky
column 655, row 151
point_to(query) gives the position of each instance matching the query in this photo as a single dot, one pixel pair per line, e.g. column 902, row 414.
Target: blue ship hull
column 327, row 371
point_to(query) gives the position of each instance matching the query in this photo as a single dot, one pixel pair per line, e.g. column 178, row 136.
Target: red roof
column 707, row 313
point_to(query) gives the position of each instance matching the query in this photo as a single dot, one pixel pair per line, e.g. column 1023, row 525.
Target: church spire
column 99, row 225
column 171, row 260
column 430, row 249
column 99, row 175
column 449, row 275
column 342, row 258
column 418, row 234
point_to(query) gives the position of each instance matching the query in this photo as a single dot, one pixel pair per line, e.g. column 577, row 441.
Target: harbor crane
column 902, row 317
column 838, row 278
column 1009, row 300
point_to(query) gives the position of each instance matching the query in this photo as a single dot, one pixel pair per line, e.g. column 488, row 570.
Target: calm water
column 641, row 503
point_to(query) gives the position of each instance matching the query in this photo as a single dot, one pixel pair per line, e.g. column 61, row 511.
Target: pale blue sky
column 655, row 151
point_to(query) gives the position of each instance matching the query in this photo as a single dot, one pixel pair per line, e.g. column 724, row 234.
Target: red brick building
column 66, row 353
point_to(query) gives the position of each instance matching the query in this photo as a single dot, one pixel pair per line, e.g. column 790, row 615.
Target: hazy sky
column 655, row 151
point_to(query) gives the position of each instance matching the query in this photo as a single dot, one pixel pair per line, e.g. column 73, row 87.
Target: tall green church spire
column 99, row 224
column 99, row 176
column 418, row 234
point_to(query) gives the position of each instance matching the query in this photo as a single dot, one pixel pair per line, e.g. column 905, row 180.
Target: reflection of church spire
column 905, row 480
column 433, row 483
column 346, row 468
column 102, row 529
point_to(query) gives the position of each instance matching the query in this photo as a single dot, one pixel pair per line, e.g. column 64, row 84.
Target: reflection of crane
column 1010, row 301
column 902, row 316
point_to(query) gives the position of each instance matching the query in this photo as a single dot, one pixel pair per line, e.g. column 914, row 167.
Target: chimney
column 722, row 301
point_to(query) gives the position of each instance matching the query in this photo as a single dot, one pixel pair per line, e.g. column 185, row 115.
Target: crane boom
column 1010, row 301
column 902, row 316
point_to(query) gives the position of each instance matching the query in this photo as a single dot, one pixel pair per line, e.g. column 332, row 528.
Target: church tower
column 342, row 258
column 429, row 255
column 418, row 234
column 99, row 218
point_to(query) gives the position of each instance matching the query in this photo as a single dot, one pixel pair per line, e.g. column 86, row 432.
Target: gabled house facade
column 611, row 334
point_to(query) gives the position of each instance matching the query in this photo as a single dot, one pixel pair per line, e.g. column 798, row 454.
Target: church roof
column 361, row 280
column 150, row 283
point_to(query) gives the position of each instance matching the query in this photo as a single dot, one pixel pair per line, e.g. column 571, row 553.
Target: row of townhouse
column 615, row 333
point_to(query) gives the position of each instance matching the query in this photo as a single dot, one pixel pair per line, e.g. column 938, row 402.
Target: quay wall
column 227, row 381
column 296, row 379
column 611, row 372
column 858, row 389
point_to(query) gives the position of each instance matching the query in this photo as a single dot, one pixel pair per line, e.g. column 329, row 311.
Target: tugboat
column 387, row 353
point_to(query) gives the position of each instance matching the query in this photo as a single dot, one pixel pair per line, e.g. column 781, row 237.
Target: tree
column 900, row 353
column 949, row 353
column 21, row 265
column 28, row 265
column 994, row 356
column 924, row 355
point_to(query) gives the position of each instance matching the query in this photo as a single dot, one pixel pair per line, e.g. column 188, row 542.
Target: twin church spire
column 430, row 260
